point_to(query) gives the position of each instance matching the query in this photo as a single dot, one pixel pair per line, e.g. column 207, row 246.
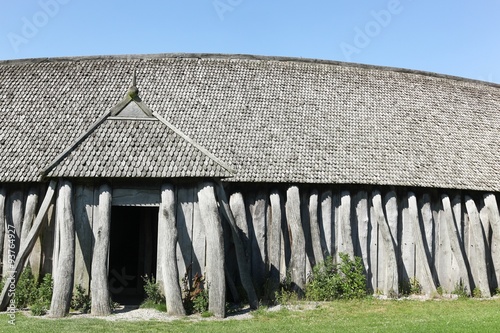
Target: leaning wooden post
column 298, row 243
column 29, row 213
column 243, row 262
column 99, row 288
column 63, row 282
column 168, row 247
column 215, row 250
column 26, row 248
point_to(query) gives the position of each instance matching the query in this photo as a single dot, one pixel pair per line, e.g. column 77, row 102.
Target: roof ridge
column 225, row 56
column 194, row 143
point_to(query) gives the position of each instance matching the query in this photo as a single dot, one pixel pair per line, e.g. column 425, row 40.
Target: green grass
column 369, row 315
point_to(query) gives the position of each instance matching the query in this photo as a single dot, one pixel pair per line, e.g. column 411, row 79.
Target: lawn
column 368, row 315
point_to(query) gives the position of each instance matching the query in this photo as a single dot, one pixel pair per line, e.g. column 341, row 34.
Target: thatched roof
column 257, row 119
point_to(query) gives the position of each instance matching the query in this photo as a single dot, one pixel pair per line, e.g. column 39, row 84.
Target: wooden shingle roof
column 268, row 119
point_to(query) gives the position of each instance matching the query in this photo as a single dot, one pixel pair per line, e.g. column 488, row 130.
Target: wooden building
column 242, row 169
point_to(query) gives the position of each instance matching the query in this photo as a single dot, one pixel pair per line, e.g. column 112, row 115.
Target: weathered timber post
column 29, row 213
column 456, row 249
column 344, row 226
column 13, row 225
column 99, row 288
column 314, row 225
column 297, row 240
column 274, row 240
column 407, row 244
column 168, row 246
column 258, row 262
column 427, row 227
column 494, row 216
column 391, row 283
column 26, row 248
column 422, row 269
column 215, row 250
column 63, row 282
column 241, row 257
column 326, row 220
column 360, row 204
column 478, row 257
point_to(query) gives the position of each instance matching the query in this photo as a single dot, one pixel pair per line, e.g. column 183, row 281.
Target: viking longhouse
column 243, row 169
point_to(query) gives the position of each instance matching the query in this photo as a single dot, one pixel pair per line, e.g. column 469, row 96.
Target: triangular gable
column 124, row 142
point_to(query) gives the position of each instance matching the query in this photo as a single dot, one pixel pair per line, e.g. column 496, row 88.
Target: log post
column 326, row 220
column 494, row 216
column 478, row 256
column 314, row 225
column 99, row 288
column 391, row 283
column 344, row 226
column 168, row 245
column 422, row 269
column 258, row 214
column 297, row 240
column 13, row 225
column 16, row 268
column 215, row 250
column 407, row 244
column 241, row 257
column 274, row 240
column 454, row 239
column 29, row 213
column 360, row 204
column 63, row 282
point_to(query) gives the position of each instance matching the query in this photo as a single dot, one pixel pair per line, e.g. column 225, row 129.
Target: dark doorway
column 132, row 253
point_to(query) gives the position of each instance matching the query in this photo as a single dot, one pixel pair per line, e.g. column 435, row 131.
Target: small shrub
column 460, row 290
column 330, row 281
column 476, row 293
column 26, row 289
column 415, row 286
column 286, row 294
column 195, row 298
column 81, row 300
column 440, row 290
column 43, row 296
column 152, row 290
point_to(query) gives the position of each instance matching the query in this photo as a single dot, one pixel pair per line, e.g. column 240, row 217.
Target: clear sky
column 450, row 37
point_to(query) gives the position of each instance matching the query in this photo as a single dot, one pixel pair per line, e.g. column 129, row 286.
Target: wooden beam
column 25, row 250
column 241, row 257
column 215, row 250
column 170, row 273
column 314, row 225
column 99, row 287
column 63, row 281
column 494, row 216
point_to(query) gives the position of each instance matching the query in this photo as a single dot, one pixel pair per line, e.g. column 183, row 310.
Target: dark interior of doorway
column 132, row 255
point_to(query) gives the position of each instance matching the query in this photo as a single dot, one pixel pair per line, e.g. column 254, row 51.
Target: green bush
column 330, row 281
column 43, row 296
column 460, row 290
column 81, row 300
column 152, row 290
column 195, row 297
column 26, row 289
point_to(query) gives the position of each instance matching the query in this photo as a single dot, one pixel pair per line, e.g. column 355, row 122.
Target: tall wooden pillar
column 99, row 280
column 63, row 281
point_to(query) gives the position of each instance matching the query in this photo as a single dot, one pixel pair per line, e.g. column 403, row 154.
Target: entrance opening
column 132, row 253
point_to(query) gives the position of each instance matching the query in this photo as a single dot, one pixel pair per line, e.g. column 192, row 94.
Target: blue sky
column 449, row 37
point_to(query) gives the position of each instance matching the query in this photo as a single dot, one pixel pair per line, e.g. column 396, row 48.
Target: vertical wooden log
column 314, row 225
column 215, row 250
column 29, row 212
column 427, row 226
column 374, row 248
column 2, row 228
column 99, row 287
column 63, row 283
column 360, row 204
column 423, row 271
column 170, row 274
column 491, row 205
column 478, row 253
column 407, row 241
column 258, row 212
column 274, row 240
column 84, row 205
column 297, row 240
column 345, row 230
column 391, row 281
column 462, row 276
column 199, row 239
column 443, row 255
column 47, row 237
column 336, row 227
column 326, row 221
column 184, row 224
column 241, row 256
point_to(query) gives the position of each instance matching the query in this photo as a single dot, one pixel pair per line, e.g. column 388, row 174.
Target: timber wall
column 439, row 237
